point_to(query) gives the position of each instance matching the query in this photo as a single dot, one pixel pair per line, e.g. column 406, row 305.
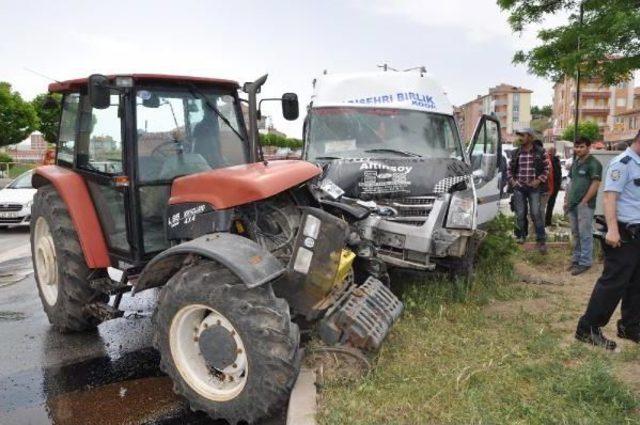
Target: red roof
column 73, row 85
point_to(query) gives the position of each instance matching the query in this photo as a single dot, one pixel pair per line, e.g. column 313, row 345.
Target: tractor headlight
column 461, row 210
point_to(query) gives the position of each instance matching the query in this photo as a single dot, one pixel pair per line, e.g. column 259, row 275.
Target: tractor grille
column 413, row 210
column 10, row 207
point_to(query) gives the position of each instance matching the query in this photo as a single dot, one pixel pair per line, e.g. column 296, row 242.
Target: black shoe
column 579, row 270
column 572, row 266
column 595, row 337
column 542, row 248
column 630, row 333
column 521, row 239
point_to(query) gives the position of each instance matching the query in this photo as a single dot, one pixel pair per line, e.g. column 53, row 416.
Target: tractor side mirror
column 99, row 91
column 290, row 109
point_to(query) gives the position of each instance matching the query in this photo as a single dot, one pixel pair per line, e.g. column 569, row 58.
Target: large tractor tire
column 60, row 269
column 231, row 351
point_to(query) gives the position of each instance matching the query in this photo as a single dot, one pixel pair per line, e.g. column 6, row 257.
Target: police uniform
column 620, row 278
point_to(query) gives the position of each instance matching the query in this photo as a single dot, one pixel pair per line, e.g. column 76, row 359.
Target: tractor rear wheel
column 231, row 351
column 60, row 269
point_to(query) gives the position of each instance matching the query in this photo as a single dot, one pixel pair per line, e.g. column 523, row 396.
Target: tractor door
column 99, row 159
column 485, row 152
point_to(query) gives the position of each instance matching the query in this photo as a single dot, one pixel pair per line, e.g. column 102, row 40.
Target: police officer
column 620, row 278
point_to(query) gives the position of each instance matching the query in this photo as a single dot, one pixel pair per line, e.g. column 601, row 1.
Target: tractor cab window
column 100, row 138
column 182, row 132
column 68, row 127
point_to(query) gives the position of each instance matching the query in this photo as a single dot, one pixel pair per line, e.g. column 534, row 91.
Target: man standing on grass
column 528, row 172
column 554, row 183
column 580, row 204
column 620, row 278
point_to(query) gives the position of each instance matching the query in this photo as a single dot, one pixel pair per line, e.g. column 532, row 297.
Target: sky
column 465, row 44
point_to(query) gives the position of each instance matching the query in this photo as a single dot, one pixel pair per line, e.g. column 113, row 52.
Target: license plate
column 8, row 214
column 390, row 239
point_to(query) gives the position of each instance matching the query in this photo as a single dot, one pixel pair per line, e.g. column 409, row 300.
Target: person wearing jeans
column 580, row 204
column 581, row 218
column 524, row 196
column 528, row 173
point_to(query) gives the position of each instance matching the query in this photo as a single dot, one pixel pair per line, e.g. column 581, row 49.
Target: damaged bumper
column 416, row 237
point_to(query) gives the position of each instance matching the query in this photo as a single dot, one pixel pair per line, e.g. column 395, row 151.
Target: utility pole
column 577, row 115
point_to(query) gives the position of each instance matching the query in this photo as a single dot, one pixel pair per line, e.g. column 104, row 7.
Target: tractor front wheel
column 60, row 269
column 231, row 351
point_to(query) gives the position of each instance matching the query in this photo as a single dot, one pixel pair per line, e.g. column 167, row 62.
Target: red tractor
column 157, row 176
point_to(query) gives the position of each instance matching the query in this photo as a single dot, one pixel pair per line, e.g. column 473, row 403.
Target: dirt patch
column 566, row 296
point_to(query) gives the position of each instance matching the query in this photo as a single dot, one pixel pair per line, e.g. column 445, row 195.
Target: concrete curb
column 302, row 404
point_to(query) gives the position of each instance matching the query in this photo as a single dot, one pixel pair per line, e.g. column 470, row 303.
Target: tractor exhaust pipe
column 252, row 89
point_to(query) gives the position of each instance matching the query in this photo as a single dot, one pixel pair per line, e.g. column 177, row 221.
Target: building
column 598, row 103
column 625, row 127
column 37, row 142
column 510, row 104
column 29, row 150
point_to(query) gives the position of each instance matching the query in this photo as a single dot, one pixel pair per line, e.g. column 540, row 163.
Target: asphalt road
column 13, row 238
column 106, row 377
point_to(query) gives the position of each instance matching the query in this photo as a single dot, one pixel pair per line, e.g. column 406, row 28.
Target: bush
column 271, row 139
column 498, row 245
column 5, row 157
column 588, row 129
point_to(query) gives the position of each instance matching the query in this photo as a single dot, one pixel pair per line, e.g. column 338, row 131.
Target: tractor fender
column 246, row 259
column 74, row 192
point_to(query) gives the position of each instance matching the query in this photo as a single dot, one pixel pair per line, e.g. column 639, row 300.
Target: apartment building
column 598, row 103
column 626, row 124
column 511, row 104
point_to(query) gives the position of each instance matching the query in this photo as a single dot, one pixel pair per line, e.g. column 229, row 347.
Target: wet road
column 14, row 243
column 106, row 377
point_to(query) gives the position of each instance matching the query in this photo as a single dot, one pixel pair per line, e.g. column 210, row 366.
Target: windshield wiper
column 327, row 157
column 198, row 94
column 388, row 150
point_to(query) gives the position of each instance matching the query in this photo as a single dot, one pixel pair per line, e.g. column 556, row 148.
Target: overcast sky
column 466, row 44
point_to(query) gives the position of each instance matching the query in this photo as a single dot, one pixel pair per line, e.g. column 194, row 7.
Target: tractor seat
column 182, row 165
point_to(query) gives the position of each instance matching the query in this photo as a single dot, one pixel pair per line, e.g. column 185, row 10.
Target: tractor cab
column 131, row 136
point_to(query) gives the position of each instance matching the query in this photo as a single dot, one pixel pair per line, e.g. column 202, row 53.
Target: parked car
column 15, row 201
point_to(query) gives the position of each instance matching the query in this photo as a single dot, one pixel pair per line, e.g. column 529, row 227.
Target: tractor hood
column 241, row 184
column 376, row 178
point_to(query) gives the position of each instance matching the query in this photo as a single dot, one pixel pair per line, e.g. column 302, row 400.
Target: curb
column 302, row 404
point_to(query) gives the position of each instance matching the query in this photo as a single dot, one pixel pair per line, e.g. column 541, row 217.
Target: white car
column 15, row 201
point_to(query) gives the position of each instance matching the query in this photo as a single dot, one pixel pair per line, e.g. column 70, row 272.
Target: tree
column 18, row 119
column 609, row 38
column 272, row 139
column 49, row 117
column 540, row 124
column 538, row 112
column 588, row 129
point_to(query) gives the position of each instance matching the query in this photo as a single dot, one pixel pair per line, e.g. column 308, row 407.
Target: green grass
column 16, row 170
column 451, row 361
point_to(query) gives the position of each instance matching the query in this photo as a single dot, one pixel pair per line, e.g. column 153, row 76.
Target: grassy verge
column 453, row 358
column 16, row 170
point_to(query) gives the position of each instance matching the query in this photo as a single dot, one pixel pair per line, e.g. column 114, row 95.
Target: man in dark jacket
column 554, row 183
column 528, row 173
